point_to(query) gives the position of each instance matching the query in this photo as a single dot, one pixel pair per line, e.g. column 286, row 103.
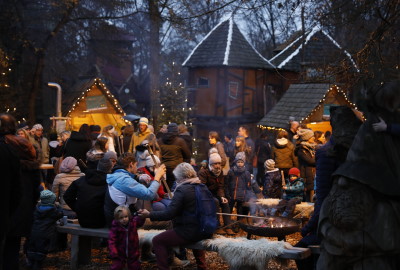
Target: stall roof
column 298, row 102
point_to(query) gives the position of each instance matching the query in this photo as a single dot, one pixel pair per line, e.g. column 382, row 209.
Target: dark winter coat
column 214, row 183
column 325, row 165
column 22, row 218
column 306, row 155
column 124, row 242
column 182, row 211
column 283, row 155
column 77, row 146
column 174, row 150
column 240, row 187
column 43, row 230
column 188, row 139
column 294, row 189
column 273, row 184
column 263, row 151
column 86, row 196
column 10, row 185
column 229, row 148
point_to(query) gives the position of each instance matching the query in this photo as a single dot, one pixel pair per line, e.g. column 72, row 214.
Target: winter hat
column 150, row 162
column 282, row 141
column 68, row 164
column 144, row 120
column 47, row 197
column 269, row 164
column 172, row 128
column 294, row 171
column 110, row 155
column 37, row 126
column 240, row 156
column 305, row 134
column 105, row 165
column 214, row 158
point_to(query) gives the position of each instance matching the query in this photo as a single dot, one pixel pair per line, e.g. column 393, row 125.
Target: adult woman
column 78, row 145
column 108, row 132
column 185, row 228
column 283, row 153
column 215, row 142
column 305, row 151
column 97, row 152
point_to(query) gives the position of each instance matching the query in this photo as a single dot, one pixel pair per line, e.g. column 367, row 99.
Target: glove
column 145, row 179
column 380, row 126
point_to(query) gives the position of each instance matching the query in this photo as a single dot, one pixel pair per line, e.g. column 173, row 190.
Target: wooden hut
column 308, row 104
column 229, row 82
column 93, row 104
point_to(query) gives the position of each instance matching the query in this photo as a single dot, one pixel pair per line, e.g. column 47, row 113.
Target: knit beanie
column 240, row 156
column 105, row 165
column 269, row 164
column 144, row 120
column 110, row 155
column 214, row 158
column 37, row 126
column 305, row 134
column 68, row 164
column 47, row 197
column 173, row 128
column 294, row 171
column 150, row 162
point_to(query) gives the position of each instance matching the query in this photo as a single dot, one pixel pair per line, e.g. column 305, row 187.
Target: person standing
column 143, row 133
column 11, row 187
column 229, row 147
column 78, row 144
column 174, row 151
column 184, row 134
column 245, row 132
column 215, row 142
column 123, row 240
column 42, row 143
column 262, row 153
column 214, row 179
column 283, row 153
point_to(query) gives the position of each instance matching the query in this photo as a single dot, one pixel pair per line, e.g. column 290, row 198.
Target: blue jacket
column 294, row 189
column 125, row 182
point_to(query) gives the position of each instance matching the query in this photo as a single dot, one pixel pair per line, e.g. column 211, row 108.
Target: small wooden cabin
column 229, row 82
column 94, row 105
column 308, row 104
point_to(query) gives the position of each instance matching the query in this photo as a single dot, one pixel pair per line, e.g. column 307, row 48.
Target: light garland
column 304, row 119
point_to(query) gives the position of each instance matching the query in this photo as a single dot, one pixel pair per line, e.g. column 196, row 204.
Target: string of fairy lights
column 100, row 85
column 320, row 104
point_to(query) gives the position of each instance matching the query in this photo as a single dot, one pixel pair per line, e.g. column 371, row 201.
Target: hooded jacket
column 283, row 154
column 240, row 186
column 123, row 242
column 85, row 196
column 174, row 150
column 62, row 182
column 77, row 146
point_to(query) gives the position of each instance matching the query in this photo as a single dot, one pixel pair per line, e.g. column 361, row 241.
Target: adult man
column 42, row 143
column 244, row 131
column 213, row 178
column 86, row 195
column 123, row 189
column 174, row 151
column 143, row 133
column 11, row 188
column 292, row 132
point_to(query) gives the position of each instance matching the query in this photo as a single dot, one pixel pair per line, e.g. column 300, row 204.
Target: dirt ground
column 61, row 260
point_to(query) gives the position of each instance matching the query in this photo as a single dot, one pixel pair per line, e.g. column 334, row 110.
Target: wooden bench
column 81, row 245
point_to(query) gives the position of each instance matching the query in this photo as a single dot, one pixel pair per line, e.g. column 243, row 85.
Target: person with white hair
column 186, row 228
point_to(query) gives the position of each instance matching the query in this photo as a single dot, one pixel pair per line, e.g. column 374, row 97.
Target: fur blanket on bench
column 241, row 253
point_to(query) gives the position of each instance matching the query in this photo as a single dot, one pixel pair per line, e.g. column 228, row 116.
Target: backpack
column 206, row 210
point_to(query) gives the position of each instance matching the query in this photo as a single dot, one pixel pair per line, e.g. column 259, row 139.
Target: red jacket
column 124, row 242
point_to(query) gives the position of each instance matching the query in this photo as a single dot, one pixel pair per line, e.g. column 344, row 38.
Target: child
column 123, row 240
column 43, row 229
column 241, row 188
column 293, row 194
column 272, row 180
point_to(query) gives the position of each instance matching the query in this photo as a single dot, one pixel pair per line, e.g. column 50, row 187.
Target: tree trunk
column 155, row 48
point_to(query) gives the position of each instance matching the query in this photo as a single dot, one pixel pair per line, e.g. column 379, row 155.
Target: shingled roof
column 298, row 102
column 318, row 47
column 225, row 45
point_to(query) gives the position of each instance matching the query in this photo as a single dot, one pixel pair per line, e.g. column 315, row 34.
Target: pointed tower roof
column 318, row 46
column 225, row 45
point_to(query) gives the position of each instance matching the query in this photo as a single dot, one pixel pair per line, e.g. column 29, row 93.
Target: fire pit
column 270, row 226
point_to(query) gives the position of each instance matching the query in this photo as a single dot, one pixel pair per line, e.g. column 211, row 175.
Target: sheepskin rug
column 146, row 236
column 241, row 253
column 301, row 210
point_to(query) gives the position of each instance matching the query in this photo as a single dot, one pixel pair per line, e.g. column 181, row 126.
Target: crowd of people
column 106, row 180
